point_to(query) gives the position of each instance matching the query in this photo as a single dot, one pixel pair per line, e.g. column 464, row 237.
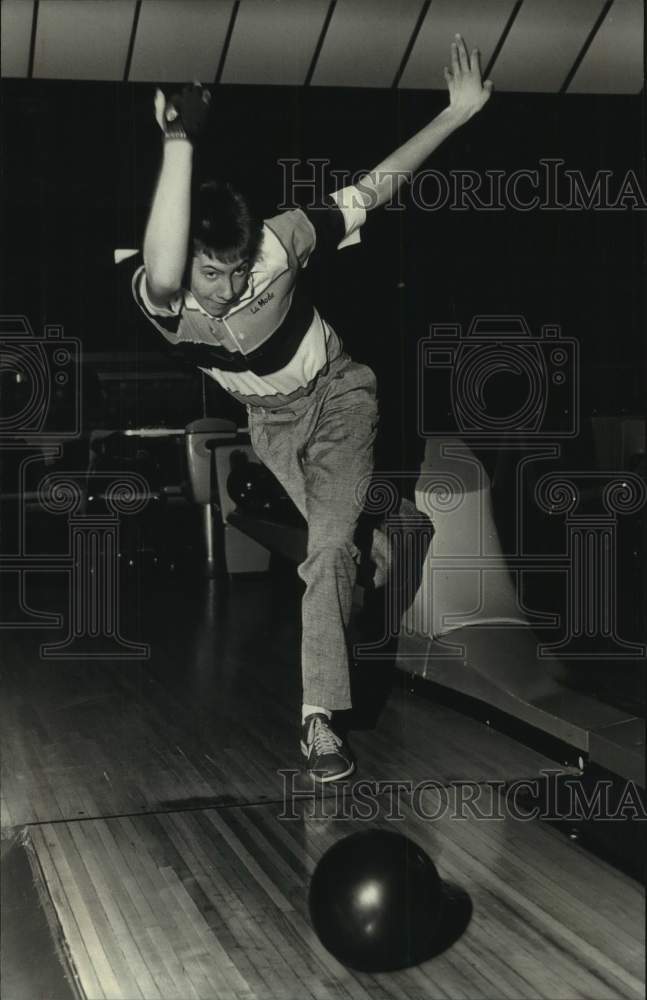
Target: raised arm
column 166, row 237
column 467, row 95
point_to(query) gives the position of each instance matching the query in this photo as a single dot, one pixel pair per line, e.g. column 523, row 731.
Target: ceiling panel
column 274, row 41
column 481, row 25
column 614, row 62
column 15, row 31
column 365, row 42
column 83, row 39
column 179, row 41
column 544, row 42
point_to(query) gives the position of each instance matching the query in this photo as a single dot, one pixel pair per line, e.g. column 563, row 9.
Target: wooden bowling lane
column 210, row 719
column 213, row 903
column 152, row 794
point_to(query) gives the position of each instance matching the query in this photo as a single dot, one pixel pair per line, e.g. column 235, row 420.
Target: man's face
column 217, row 286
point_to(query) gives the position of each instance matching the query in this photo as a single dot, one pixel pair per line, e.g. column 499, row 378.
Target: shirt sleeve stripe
column 166, row 320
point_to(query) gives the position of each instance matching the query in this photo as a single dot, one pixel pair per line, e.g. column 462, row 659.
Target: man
column 221, row 287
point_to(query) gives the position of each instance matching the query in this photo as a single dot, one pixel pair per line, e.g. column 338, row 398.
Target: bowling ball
column 247, row 484
column 253, row 487
column 377, row 902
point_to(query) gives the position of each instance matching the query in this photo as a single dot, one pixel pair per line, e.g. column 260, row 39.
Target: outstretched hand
column 467, row 94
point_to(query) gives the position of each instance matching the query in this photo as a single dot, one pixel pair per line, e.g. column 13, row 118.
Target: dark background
column 81, row 160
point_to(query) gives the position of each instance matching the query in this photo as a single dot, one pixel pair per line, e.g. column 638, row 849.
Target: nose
column 226, row 289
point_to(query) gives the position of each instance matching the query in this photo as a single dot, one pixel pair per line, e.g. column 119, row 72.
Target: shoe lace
column 325, row 741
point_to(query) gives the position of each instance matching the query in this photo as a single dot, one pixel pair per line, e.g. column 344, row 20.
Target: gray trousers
column 321, row 450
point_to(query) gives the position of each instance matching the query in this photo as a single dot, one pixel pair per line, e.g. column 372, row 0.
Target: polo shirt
column 268, row 349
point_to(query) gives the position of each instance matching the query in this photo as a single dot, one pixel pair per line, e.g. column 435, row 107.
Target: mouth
column 215, row 308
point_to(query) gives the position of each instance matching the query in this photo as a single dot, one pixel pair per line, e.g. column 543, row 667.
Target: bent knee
column 333, row 548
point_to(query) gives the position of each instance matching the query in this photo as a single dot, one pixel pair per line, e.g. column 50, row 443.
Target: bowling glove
column 185, row 115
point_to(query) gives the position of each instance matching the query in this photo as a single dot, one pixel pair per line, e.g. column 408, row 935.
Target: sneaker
column 329, row 759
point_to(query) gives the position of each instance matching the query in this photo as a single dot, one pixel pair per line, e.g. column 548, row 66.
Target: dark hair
column 223, row 223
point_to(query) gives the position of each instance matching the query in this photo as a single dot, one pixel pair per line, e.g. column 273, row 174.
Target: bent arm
column 167, row 232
